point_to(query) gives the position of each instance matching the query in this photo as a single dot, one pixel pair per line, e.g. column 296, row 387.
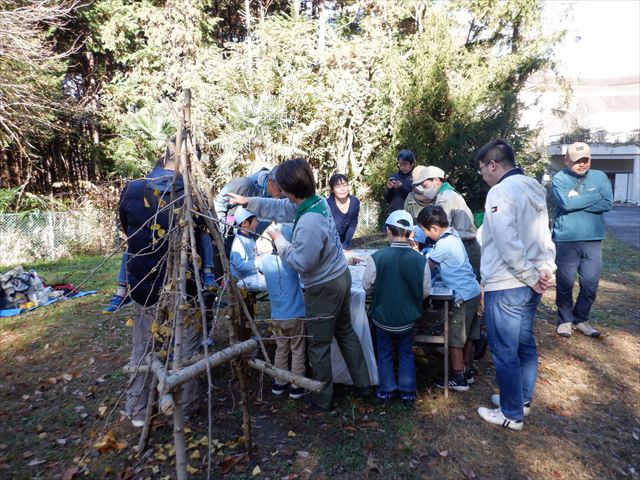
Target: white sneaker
column 587, row 329
column 526, row 408
column 138, row 423
column 496, row 417
column 564, row 329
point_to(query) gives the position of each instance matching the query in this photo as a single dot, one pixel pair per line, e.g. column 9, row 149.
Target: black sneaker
column 470, row 375
column 297, row 393
column 278, row 389
column 364, row 392
column 408, row 399
column 456, row 382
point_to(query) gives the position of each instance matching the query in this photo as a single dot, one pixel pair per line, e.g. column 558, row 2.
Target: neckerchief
column 313, row 204
column 445, row 186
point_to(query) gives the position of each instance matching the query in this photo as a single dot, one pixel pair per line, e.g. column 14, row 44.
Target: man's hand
column 235, row 199
column 572, row 193
column 544, row 282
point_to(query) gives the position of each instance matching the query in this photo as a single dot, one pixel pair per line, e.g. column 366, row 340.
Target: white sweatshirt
column 516, row 240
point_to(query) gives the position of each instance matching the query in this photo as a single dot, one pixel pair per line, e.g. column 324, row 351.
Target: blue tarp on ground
column 10, row 312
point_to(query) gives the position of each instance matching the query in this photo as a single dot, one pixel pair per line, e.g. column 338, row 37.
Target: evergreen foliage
column 345, row 85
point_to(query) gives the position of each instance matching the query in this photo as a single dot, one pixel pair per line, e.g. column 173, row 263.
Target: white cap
column 241, row 214
column 425, row 173
column 399, row 216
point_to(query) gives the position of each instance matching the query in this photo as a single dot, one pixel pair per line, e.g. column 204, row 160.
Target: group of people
column 519, row 257
column 430, row 229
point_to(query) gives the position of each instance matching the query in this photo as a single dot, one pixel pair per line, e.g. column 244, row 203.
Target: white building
column 621, row 164
column 601, row 106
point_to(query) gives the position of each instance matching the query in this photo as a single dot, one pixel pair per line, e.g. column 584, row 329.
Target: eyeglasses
column 482, row 167
column 403, row 164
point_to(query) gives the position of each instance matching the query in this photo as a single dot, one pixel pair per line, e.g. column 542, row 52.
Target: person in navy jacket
column 345, row 208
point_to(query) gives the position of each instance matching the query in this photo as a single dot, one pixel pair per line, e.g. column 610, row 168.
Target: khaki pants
column 138, row 389
column 327, row 309
column 290, row 339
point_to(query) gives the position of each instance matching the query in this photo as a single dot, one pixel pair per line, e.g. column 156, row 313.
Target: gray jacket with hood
column 315, row 251
column 516, row 240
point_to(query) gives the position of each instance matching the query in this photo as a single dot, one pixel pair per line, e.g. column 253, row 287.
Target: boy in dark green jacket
column 399, row 279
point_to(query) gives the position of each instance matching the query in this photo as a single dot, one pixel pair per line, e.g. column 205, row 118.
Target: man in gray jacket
column 516, row 268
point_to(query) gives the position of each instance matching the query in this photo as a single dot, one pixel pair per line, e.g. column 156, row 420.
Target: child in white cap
column 398, row 278
column 245, row 263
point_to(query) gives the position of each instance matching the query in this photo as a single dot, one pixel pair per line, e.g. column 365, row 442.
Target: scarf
column 313, row 204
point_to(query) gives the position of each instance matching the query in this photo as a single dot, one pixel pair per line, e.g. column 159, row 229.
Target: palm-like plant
column 253, row 129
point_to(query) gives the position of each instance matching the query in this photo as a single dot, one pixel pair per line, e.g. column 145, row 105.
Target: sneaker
column 470, row 374
column 526, row 408
column 209, row 280
column 278, row 389
column 456, row 382
column 137, row 422
column 296, row 393
column 564, row 329
column 587, row 329
column 384, row 397
column 495, row 416
column 408, row 399
column 116, row 303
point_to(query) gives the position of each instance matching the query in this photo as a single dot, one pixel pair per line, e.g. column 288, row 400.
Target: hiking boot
column 456, row 382
column 587, row 329
column 297, row 393
column 364, row 392
column 564, row 330
column 526, row 408
column 116, row 303
column 495, row 416
column 470, row 375
column 278, row 389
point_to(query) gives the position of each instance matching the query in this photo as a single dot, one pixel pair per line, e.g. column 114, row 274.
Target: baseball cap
column 272, row 173
column 418, row 235
column 400, row 219
column 242, row 214
column 421, row 173
column 578, row 150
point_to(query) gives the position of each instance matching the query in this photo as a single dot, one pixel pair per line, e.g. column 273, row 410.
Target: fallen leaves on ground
column 108, row 442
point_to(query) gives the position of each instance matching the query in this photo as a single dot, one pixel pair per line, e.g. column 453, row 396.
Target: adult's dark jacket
column 395, row 198
column 145, row 205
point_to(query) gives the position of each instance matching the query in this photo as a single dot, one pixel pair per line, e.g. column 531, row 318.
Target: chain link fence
column 26, row 237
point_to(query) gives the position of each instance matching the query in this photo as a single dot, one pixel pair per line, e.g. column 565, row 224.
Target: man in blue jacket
column 146, row 214
column 582, row 196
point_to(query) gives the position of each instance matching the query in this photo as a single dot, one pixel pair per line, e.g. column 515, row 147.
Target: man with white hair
column 582, row 195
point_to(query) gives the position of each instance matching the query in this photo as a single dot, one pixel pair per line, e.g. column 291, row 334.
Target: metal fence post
column 50, row 239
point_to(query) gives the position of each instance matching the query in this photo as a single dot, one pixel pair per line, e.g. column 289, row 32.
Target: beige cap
column 578, row 150
column 421, row 173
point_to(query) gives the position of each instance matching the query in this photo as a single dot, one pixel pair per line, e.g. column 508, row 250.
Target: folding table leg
column 446, row 349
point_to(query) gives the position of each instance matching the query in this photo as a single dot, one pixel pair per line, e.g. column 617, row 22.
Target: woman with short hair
column 316, row 254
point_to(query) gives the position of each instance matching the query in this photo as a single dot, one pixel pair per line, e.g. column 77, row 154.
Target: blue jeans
column 205, row 248
column 510, row 315
column 122, row 273
column 406, row 368
column 585, row 259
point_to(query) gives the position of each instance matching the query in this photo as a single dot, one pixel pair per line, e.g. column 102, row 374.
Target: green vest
column 397, row 298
